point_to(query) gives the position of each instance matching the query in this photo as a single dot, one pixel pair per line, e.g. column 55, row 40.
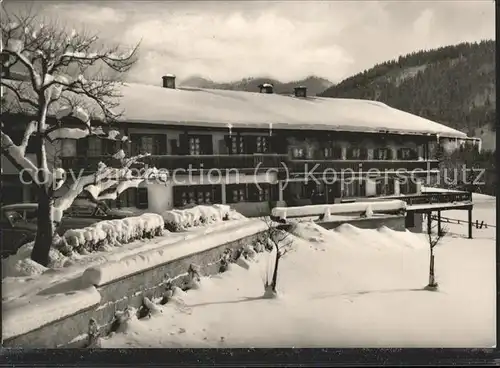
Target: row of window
column 209, row 194
column 356, row 153
column 202, row 145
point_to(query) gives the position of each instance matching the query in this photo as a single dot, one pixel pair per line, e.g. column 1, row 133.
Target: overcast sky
column 287, row 40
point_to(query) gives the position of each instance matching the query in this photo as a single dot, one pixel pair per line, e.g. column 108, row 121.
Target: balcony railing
column 431, row 198
column 255, row 162
column 207, row 162
column 360, row 165
column 435, row 198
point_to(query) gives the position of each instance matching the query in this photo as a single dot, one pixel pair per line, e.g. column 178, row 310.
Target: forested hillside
column 453, row 85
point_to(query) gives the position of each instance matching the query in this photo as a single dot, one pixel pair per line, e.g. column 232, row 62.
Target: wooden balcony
column 327, row 168
column 436, row 198
column 251, row 163
column 207, row 162
column 256, row 162
column 432, row 198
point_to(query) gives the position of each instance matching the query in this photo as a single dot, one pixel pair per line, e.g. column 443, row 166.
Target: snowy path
column 345, row 288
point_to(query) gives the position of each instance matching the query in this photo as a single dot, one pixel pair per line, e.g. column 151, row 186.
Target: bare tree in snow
column 277, row 237
column 72, row 76
column 434, row 238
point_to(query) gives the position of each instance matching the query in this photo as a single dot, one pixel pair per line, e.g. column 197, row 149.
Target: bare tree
column 434, row 238
column 276, row 235
column 71, row 77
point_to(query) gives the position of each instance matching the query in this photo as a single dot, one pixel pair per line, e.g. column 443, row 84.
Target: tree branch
column 15, row 154
column 19, row 98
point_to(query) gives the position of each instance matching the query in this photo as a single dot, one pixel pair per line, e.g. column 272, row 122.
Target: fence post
column 470, row 222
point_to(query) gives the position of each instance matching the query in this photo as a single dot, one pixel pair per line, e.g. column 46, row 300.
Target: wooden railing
column 360, row 165
column 435, row 198
column 255, row 162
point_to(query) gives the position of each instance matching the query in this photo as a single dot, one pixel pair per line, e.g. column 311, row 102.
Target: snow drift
column 127, row 266
column 111, row 233
column 348, row 288
column 177, row 220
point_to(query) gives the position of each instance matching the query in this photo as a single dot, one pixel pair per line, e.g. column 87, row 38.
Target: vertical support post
column 470, row 222
column 439, row 222
column 280, row 191
column 429, row 222
column 223, row 193
column 326, row 192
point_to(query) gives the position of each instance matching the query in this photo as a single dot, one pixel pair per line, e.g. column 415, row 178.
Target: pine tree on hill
column 452, row 85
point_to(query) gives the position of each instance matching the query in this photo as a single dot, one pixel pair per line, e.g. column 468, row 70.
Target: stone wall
column 71, row 331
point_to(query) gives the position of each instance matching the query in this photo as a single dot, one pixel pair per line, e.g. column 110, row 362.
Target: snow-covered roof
column 141, row 103
column 218, row 108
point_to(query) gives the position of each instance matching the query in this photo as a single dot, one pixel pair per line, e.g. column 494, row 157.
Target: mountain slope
column 453, row 85
column 314, row 84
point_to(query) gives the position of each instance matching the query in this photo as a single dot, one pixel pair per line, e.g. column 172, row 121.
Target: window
column 236, row 193
column 356, row 153
column 406, row 154
column 195, row 195
column 236, row 144
column 259, row 193
column 298, row 152
column 194, row 146
column 262, row 144
column 383, row 154
column 155, row 144
column 385, row 187
column 94, row 147
column 332, row 152
column 354, row 188
column 199, row 145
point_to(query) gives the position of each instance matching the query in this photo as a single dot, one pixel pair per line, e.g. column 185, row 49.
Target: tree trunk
column 275, row 273
column 432, row 280
column 45, row 228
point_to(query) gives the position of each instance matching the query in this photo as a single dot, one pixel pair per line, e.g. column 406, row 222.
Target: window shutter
column 389, row 154
column 363, row 153
column 161, row 145
column 82, row 146
column 183, row 144
column 222, row 145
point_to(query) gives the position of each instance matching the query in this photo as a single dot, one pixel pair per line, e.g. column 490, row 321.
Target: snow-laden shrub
column 105, row 234
column 178, row 220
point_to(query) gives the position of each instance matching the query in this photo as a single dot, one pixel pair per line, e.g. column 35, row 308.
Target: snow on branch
column 16, row 154
column 108, row 182
column 62, row 61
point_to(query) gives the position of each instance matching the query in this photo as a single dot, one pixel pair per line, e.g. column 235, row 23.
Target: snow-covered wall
column 144, row 275
column 255, row 209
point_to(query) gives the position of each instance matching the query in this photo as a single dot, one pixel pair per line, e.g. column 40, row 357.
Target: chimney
column 266, row 88
column 169, row 81
column 300, row 91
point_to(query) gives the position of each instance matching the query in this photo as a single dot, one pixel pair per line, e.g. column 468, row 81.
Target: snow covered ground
column 45, row 294
column 342, row 288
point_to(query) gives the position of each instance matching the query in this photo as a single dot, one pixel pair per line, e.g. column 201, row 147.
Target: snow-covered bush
column 103, row 234
column 178, row 220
